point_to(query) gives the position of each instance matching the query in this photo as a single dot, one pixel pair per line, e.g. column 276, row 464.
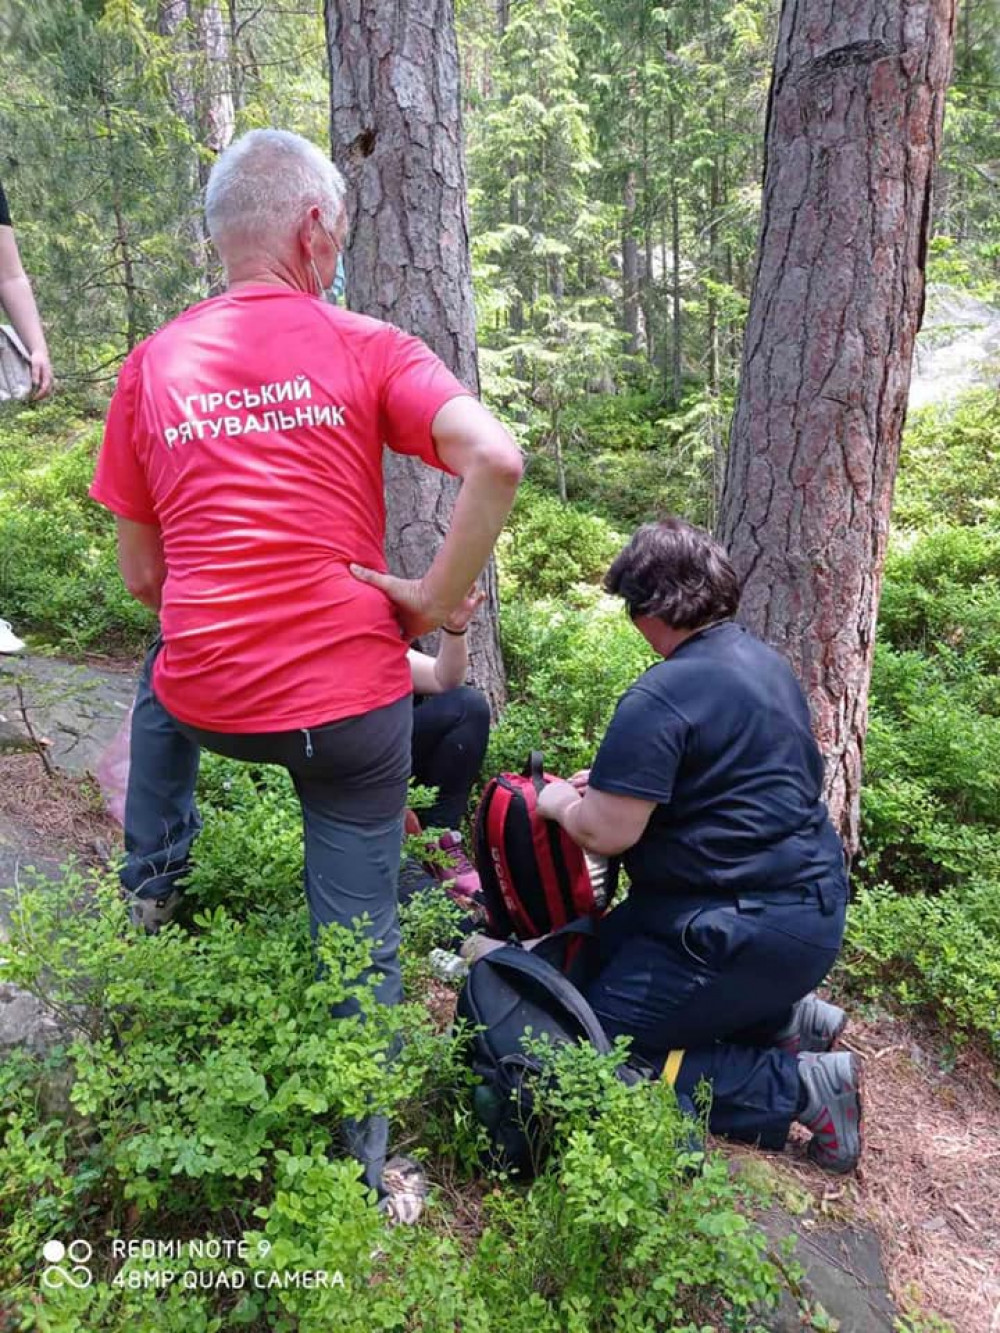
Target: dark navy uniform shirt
column 4, row 209
column 718, row 734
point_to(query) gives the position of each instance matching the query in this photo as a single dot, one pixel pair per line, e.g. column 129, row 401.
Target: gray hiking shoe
column 154, row 913
column 832, row 1082
column 405, row 1186
column 815, row 1026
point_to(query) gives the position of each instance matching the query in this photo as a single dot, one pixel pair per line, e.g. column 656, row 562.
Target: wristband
column 457, row 633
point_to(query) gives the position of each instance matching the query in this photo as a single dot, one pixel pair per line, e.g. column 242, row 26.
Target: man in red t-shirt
column 243, row 460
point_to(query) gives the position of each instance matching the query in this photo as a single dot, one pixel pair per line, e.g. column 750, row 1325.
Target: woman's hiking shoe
column 815, row 1026
column 405, row 1186
column 457, row 872
column 831, row 1082
column 453, row 869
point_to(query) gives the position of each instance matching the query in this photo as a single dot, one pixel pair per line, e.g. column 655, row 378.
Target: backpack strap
column 535, row 770
column 523, row 963
column 583, row 925
column 572, row 950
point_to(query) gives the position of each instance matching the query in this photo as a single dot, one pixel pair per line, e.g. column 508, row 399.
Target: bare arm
column 447, row 671
column 597, row 821
column 140, row 560
column 471, row 442
column 18, row 300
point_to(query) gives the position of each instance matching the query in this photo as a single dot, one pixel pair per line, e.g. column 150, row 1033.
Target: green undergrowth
column 59, row 580
column 925, row 925
column 198, row 1096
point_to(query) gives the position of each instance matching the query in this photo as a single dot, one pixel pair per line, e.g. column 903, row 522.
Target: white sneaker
column 9, row 642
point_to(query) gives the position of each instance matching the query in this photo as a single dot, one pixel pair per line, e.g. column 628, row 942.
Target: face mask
column 336, row 288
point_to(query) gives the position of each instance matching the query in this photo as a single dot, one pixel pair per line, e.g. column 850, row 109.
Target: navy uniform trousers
column 703, row 985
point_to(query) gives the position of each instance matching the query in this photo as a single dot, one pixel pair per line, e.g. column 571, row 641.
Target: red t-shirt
column 250, row 430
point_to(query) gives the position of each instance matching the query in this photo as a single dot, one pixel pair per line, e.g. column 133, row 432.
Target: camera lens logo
column 78, row 1252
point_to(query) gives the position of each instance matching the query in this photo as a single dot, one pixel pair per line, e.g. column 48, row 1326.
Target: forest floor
column 929, row 1182
column 929, row 1179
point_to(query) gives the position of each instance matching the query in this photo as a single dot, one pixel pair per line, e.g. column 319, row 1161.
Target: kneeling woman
column 708, row 783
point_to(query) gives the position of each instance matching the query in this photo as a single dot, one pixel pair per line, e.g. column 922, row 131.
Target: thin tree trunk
column 558, row 451
column 396, row 131
column 676, row 380
column 235, row 67
column 200, row 86
column 172, row 22
column 121, row 241
column 217, row 114
column 630, row 264
column 854, row 125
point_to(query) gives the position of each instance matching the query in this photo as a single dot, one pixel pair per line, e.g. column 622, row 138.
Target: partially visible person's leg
column 679, row 980
column 353, row 788
column 351, row 777
column 161, row 818
column 450, row 735
column 811, row 1024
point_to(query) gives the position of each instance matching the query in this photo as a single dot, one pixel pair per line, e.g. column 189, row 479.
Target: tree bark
column 200, row 92
column 630, row 264
column 217, row 112
column 854, row 125
column 677, row 344
column 396, row 130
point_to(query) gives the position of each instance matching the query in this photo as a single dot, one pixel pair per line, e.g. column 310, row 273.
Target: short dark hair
column 676, row 571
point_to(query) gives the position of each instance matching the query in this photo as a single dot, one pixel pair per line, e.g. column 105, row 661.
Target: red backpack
column 534, row 878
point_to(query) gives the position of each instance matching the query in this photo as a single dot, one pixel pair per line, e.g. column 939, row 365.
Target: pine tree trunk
column 630, row 264
column 199, row 82
column 677, row 344
column 854, row 125
column 217, row 113
column 397, row 133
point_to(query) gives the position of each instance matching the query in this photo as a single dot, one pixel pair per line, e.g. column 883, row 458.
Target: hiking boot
column 814, row 1026
column 154, row 913
column 457, row 872
column 832, row 1083
column 9, row 642
column 405, row 1185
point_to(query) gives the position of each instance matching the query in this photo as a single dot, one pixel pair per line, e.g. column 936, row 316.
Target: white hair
column 260, row 188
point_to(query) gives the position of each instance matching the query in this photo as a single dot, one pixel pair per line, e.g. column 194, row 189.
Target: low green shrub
column 931, row 800
column 567, row 669
column 942, row 598
column 937, row 952
column 59, row 575
column 547, row 548
column 631, row 458
column 948, row 472
column 208, row 1083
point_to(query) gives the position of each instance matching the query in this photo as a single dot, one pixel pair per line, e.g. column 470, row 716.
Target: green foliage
column 924, row 926
column 633, row 459
column 208, row 1080
column 547, row 548
column 948, row 473
column 113, row 114
column 567, row 669
column 58, row 572
column 625, row 1186
column 938, row 952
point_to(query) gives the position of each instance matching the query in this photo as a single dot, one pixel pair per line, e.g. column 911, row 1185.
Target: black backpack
column 507, row 992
